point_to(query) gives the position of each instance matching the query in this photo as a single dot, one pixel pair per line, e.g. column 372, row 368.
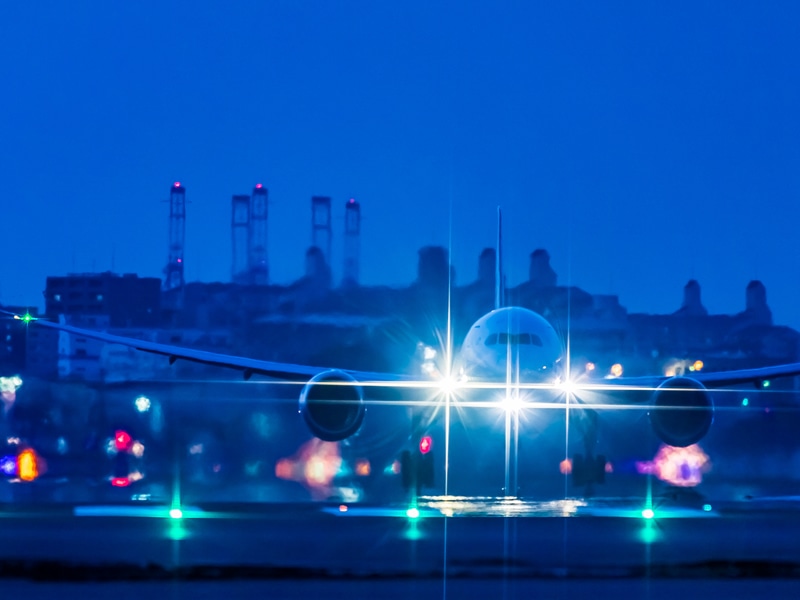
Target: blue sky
column 642, row 144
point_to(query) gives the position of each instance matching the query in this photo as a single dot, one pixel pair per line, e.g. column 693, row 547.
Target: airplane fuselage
column 511, row 345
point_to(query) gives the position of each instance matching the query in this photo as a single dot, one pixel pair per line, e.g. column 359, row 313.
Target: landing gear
column 588, row 469
column 417, row 471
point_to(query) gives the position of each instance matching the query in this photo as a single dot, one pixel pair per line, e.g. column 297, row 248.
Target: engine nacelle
column 683, row 411
column 332, row 404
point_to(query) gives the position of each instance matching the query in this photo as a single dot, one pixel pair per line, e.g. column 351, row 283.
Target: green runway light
column 745, row 401
column 412, row 513
column 707, row 507
column 27, row 318
column 648, row 513
column 649, row 533
column 765, row 383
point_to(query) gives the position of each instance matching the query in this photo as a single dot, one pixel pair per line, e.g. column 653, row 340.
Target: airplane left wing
column 757, row 375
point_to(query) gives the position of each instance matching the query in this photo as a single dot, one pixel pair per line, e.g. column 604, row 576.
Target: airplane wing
column 715, row 379
column 248, row 366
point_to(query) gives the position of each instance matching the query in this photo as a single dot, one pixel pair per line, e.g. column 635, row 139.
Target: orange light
column 27, row 468
column 363, row 468
column 616, row 370
column 565, row 466
column 284, row 469
column 698, row 365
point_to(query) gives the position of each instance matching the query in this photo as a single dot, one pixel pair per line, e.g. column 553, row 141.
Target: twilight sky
column 642, row 144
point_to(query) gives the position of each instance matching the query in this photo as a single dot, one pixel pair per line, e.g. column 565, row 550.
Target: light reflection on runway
column 486, row 506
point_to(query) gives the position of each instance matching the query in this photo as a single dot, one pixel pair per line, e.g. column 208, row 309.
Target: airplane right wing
column 248, row 366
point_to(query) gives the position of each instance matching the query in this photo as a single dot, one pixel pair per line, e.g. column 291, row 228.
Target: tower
column 240, row 225
column 173, row 272
column 257, row 237
column 352, row 233
column 321, row 225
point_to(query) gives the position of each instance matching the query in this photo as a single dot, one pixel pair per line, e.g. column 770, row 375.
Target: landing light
column 567, row 386
column 176, row 513
column 648, row 513
column 512, row 402
column 412, row 513
column 448, row 384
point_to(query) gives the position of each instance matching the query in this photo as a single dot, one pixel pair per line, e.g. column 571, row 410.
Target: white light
column 429, row 353
column 448, row 385
column 512, row 402
column 567, row 386
column 137, row 449
column 176, row 513
column 142, row 403
column 412, row 513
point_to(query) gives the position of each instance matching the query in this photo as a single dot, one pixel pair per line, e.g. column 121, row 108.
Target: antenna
column 499, row 286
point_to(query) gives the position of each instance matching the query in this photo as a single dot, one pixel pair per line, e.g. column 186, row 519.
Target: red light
column 425, row 444
column 120, row 481
column 122, row 440
column 177, row 184
column 259, row 186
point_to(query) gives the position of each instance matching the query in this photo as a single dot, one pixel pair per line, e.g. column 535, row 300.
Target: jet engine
column 683, row 411
column 332, row 404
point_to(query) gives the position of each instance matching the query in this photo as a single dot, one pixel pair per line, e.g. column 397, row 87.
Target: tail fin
column 499, row 279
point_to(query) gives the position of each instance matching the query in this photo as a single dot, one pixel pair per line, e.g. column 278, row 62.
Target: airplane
column 512, row 356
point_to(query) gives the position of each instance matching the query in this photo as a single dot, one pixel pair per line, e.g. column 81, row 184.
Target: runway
column 447, row 546
column 435, row 535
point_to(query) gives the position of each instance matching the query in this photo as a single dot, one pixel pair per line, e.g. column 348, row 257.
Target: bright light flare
column 648, row 513
column 448, row 385
column 27, row 465
column 176, row 513
column 567, row 386
column 8, row 390
column 142, row 404
column 681, row 467
column 316, row 464
column 512, row 402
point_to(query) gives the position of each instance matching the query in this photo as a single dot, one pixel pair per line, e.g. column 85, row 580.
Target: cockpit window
column 514, row 339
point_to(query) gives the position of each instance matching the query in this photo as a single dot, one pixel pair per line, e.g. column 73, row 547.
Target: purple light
column 177, row 184
column 259, row 186
column 352, row 201
column 8, row 465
